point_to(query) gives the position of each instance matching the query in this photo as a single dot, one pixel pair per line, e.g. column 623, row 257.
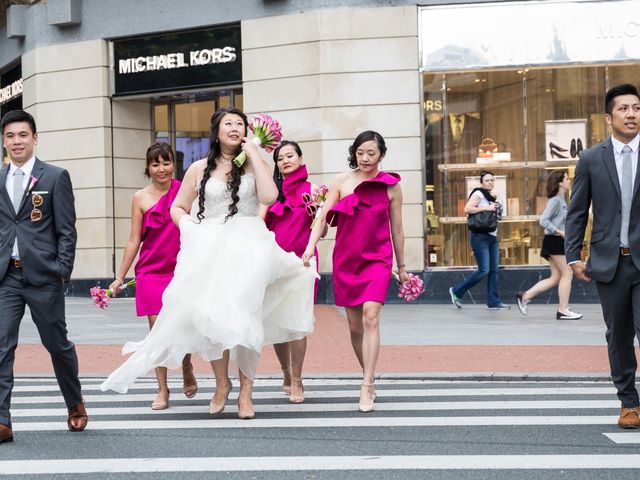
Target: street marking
column 436, row 392
column 339, row 422
column 317, row 463
column 631, row 437
column 332, row 407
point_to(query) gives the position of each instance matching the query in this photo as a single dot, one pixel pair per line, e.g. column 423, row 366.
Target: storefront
column 516, row 88
column 10, row 93
column 185, row 76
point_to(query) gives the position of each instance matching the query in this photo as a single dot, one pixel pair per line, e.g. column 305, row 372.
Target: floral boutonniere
column 32, row 183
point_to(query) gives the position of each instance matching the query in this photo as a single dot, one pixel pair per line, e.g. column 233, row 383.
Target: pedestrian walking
column 553, row 221
column 365, row 204
column 606, row 184
column 37, row 250
column 290, row 218
column 157, row 239
column 484, row 245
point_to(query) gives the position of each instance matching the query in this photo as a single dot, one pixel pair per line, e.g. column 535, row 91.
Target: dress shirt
column 27, row 168
column 617, row 153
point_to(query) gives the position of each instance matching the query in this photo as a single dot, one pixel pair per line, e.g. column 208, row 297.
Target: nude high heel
column 161, row 403
column 216, row 408
column 366, row 405
column 300, row 397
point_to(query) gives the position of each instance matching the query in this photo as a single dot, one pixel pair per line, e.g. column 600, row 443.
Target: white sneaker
column 570, row 315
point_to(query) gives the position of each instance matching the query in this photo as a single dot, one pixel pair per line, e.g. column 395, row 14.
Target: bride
column 234, row 289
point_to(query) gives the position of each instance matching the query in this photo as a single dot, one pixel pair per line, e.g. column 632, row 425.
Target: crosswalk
column 418, row 425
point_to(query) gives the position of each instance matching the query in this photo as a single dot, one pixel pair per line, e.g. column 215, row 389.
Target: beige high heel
column 216, row 408
column 367, row 405
column 189, row 390
column 300, row 397
column 248, row 412
column 161, row 403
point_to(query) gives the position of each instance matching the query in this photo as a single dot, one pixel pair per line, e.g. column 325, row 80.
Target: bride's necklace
column 224, row 161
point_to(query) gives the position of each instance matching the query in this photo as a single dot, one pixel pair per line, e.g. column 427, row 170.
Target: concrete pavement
column 425, row 340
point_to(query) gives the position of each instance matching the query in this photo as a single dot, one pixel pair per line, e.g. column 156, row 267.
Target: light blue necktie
column 18, row 189
column 626, row 191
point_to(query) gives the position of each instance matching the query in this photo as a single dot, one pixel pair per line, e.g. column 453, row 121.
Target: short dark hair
column 617, row 91
column 484, row 173
column 553, row 182
column 14, row 116
column 365, row 136
column 158, row 150
column 277, row 176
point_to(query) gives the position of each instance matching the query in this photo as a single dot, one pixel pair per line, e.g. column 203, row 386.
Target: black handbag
column 485, row 221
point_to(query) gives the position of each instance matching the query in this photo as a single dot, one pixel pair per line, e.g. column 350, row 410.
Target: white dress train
column 233, row 289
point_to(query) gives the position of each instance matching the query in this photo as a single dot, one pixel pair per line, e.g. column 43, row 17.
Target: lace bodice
column 217, row 199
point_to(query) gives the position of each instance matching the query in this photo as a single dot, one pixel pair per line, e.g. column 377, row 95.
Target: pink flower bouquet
column 268, row 135
column 101, row 296
column 411, row 289
column 319, row 196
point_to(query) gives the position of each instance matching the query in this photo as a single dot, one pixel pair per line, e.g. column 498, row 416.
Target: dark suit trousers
column 46, row 304
column 620, row 301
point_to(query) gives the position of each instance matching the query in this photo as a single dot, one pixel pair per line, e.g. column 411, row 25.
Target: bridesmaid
column 290, row 220
column 151, row 226
column 365, row 204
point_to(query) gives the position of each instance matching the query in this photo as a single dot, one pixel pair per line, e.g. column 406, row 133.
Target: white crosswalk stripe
column 464, row 408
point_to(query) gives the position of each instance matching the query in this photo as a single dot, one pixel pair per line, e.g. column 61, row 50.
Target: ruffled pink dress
column 157, row 259
column 363, row 252
column 289, row 220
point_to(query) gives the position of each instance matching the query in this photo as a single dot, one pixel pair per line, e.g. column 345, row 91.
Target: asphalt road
column 420, row 429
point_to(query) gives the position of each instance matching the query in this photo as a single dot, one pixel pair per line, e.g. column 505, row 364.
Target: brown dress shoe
column 629, row 417
column 6, row 434
column 78, row 418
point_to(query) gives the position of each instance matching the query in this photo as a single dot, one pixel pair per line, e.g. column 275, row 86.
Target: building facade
column 454, row 88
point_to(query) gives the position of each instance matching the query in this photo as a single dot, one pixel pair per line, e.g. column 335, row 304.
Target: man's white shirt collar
column 27, row 168
column 618, row 145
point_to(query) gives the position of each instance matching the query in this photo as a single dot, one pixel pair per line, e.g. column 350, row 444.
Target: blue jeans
column 485, row 249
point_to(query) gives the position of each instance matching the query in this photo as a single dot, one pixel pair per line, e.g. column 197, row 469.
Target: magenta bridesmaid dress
column 363, row 252
column 289, row 220
column 157, row 259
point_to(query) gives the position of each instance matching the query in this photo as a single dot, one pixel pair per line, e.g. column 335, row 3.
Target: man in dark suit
column 37, row 248
column 607, row 180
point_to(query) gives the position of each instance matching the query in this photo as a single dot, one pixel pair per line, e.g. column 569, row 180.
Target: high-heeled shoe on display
column 572, row 150
column 216, row 408
column 579, row 146
column 555, row 154
column 365, row 405
column 553, row 146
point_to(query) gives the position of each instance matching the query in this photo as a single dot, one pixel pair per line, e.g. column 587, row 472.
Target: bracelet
column 400, row 265
column 120, row 280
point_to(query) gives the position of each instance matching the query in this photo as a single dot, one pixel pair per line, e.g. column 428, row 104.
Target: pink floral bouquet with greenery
column 268, row 135
column 319, row 196
column 101, row 296
column 411, row 289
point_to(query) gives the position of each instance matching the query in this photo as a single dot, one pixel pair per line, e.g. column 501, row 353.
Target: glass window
column 519, row 124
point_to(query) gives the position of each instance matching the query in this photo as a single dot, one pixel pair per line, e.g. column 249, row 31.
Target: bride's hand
column 306, row 256
column 249, row 148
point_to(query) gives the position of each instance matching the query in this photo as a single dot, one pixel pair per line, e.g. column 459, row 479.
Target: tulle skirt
column 233, row 289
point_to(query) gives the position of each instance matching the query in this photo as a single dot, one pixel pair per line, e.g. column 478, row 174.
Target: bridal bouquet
column 319, row 196
column 411, row 289
column 268, row 135
column 101, row 296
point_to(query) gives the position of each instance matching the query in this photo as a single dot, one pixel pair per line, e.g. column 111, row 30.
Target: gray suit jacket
column 47, row 247
column 596, row 184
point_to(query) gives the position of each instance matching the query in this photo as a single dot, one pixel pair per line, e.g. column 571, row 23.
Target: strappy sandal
column 189, row 390
column 297, row 398
column 366, row 407
column 158, row 403
column 287, row 374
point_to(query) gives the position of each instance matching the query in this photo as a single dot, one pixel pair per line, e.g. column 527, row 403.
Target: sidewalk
column 425, row 340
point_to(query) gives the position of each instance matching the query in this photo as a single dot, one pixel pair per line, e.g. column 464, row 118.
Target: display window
column 519, row 124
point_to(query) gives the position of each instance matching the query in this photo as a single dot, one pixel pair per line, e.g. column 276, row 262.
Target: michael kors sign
column 177, row 61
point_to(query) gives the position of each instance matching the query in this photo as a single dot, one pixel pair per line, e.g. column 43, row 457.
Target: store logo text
column 176, row 60
column 11, row 91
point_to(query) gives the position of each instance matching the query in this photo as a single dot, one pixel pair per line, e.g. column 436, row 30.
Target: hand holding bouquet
column 410, row 289
column 315, row 202
column 268, row 135
column 101, row 297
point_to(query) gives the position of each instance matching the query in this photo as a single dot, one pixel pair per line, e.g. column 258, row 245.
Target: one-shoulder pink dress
column 289, row 220
column 363, row 252
column 157, row 259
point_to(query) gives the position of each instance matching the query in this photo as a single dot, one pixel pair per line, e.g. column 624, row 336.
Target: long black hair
column 277, row 176
column 233, row 184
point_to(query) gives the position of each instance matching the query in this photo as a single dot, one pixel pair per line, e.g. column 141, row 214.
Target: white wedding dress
column 233, row 288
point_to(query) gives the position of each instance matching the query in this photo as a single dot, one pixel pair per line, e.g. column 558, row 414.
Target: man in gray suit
column 37, row 248
column 607, row 180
